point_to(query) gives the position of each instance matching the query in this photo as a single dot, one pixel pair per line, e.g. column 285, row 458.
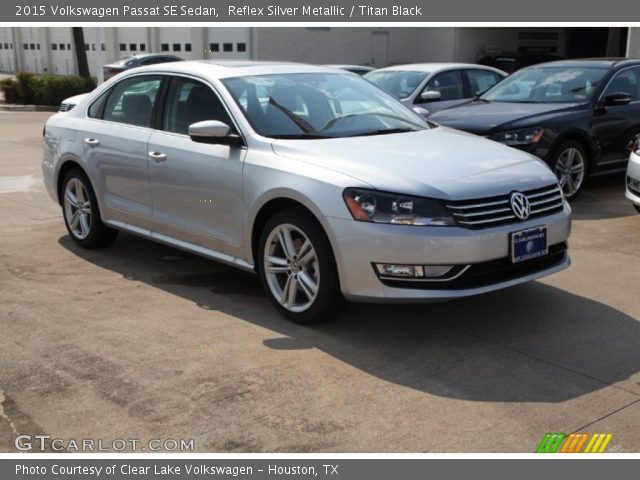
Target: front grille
column 633, row 185
column 491, row 272
column 65, row 107
column 494, row 211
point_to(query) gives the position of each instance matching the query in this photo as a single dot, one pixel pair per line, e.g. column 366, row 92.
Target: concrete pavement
column 143, row 341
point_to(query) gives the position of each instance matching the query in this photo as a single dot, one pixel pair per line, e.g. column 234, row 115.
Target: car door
column 115, row 139
column 615, row 126
column 196, row 187
column 450, row 85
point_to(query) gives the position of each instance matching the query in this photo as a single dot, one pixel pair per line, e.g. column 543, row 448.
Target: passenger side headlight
column 373, row 206
column 524, row 136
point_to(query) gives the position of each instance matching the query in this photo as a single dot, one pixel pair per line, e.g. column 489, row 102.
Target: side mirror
column 215, row 132
column 430, row 96
column 616, row 99
column 423, row 112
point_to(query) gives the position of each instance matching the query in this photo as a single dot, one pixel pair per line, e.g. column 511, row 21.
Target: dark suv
column 580, row 116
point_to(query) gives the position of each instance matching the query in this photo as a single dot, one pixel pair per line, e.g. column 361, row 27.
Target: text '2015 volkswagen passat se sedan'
column 320, row 182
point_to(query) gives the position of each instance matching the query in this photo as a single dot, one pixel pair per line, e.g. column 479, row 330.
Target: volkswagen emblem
column 520, row 205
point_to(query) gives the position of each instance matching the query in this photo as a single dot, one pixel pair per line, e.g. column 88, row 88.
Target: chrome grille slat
column 493, row 211
column 546, row 200
column 477, row 214
column 477, row 222
column 479, row 205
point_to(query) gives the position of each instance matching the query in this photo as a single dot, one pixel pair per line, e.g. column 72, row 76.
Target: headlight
column 377, row 207
column 524, row 136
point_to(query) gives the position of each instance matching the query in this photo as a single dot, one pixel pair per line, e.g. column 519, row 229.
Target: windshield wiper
column 299, row 136
column 301, row 122
column 383, row 131
column 332, row 121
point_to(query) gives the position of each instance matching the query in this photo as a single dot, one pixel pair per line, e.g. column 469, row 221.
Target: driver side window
column 190, row 101
column 448, row 84
column 627, row 81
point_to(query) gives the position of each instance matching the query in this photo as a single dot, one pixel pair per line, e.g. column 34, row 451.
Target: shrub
column 30, row 89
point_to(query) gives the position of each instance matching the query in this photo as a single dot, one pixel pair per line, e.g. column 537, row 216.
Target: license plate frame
column 529, row 244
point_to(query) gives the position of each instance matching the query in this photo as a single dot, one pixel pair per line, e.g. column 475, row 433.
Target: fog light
column 390, row 270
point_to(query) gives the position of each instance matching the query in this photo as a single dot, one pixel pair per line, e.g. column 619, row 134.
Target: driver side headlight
column 523, row 136
column 377, row 207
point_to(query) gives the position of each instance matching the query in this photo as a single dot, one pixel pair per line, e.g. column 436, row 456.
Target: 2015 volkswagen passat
column 317, row 180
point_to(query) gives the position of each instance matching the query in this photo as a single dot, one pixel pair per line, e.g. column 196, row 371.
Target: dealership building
column 51, row 49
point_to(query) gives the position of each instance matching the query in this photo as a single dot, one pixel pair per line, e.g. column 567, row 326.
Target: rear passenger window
column 190, row 101
column 131, row 101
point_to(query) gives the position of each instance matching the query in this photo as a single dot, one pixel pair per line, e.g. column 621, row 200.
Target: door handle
column 157, row 156
column 92, row 142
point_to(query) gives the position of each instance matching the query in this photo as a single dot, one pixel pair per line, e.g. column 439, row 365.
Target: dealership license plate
column 529, row 244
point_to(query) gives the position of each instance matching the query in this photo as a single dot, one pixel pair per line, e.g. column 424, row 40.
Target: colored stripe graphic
column 562, row 443
column 574, row 442
column 551, row 442
column 598, row 443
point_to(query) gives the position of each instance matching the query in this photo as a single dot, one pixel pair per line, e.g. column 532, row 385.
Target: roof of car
column 591, row 62
column 235, row 68
column 432, row 67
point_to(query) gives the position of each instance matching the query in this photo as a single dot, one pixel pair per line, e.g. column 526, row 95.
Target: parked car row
column 324, row 185
column 579, row 116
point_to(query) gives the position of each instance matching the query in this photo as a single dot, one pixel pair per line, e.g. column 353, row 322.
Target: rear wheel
column 569, row 163
column 297, row 268
column 81, row 214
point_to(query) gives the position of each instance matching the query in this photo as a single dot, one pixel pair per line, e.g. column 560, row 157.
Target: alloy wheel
column 77, row 208
column 291, row 267
column 570, row 169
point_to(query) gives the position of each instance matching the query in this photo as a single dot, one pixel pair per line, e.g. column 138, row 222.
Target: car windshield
column 319, row 105
column 399, row 83
column 547, row 85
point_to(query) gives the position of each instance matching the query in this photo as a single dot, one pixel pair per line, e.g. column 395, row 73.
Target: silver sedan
column 318, row 181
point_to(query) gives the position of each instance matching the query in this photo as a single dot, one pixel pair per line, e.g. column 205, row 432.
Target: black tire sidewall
column 328, row 298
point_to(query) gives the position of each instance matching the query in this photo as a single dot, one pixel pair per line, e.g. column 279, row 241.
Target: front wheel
column 297, row 268
column 569, row 163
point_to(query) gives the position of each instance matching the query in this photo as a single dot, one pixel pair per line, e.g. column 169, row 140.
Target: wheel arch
column 279, row 202
column 589, row 145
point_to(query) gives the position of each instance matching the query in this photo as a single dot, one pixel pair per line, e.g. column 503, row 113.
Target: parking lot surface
column 143, row 341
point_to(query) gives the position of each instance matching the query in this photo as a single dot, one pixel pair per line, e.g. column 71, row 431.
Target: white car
column 633, row 175
column 436, row 86
column 318, row 181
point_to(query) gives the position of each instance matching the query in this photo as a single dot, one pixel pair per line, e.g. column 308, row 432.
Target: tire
column 637, row 207
column 302, row 283
column 81, row 214
column 570, row 155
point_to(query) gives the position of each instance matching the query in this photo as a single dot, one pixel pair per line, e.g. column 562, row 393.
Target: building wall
column 7, row 52
column 363, row 46
column 633, row 42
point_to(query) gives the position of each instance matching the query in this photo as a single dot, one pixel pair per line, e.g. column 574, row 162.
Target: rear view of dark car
column 133, row 61
column 579, row 116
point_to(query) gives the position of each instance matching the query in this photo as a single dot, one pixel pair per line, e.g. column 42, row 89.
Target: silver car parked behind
column 324, row 185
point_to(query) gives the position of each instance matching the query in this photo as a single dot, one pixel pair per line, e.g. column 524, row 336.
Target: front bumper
column 633, row 179
column 358, row 245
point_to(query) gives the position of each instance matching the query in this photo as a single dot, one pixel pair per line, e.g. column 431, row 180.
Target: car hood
column 483, row 118
column 440, row 163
